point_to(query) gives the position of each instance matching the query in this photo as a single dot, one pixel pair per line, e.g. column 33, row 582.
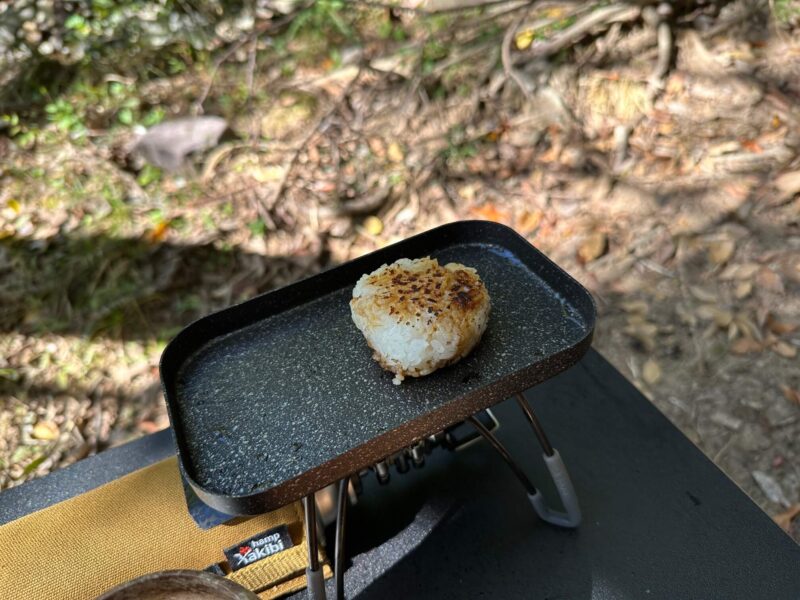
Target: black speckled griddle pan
column 279, row 396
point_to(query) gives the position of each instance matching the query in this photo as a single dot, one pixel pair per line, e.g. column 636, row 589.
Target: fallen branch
column 665, row 49
column 603, row 17
column 455, row 7
column 665, row 46
column 505, row 54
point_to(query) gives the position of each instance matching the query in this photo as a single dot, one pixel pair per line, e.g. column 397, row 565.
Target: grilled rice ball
column 418, row 316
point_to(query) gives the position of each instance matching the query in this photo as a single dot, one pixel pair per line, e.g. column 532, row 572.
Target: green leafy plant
column 78, row 27
column 458, row 146
column 149, row 175
column 62, row 114
column 387, row 30
column 786, row 10
column 432, row 52
column 153, row 117
column 320, row 20
column 257, row 228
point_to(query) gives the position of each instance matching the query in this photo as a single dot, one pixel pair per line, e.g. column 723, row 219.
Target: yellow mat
column 132, row 526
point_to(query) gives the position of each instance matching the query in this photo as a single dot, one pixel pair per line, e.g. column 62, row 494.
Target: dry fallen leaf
column 490, row 212
column 746, row 345
column 593, row 247
column 743, row 271
column 666, row 128
column 686, row 316
column 149, row 426
column 791, row 394
column 752, row 146
column 529, row 221
column 779, row 327
column 45, row 430
column 743, row 290
column 748, row 327
column 644, row 333
column 373, row 225
column 636, row 307
column 395, row 152
column 376, row 146
column 771, row 488
column 788, row 184
column 769, row 280
column 709, row 331
column 651, row 372
column 784, row 519
column 784, row 349
column 728, row 147
column 722, row 318
column 710, row 312
column 721, row 251
column 266, row 173
column 702, row 294
column 762, row 312
column 555, row 12
column 524, row 39
column 159, row 232
column 636, row 319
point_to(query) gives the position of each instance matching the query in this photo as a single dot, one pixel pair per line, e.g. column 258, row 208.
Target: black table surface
column 659, row 519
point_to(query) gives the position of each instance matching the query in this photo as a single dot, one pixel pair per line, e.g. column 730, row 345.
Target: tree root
column 602, row 18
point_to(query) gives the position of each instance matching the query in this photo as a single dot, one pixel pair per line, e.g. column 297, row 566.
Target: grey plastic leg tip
column 316, row 584
column 571, row 517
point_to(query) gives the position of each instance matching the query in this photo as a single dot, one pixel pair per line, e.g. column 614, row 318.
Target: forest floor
column 672, row 196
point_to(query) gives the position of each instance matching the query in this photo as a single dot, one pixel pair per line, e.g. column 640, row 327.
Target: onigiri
column 418, row 316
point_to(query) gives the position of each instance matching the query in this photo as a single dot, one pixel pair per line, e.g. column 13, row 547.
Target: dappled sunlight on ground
column 675, row 203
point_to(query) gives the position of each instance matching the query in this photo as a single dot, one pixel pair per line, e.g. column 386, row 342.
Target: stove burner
column 479, row 426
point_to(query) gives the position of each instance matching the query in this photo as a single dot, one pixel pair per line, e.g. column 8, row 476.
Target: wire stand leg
column 315, row 580
column 571, row 516
column 341, row 521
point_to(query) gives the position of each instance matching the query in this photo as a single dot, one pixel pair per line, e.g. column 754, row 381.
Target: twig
column 724, row 448
column 468, row 53
column 505, row 53
column 217, row 156
column 251, row 36
column 481, row 21
column 621, row 135
column 665, row 48
column 744, row 12
column 605, row 16
column 655, row 84
column 458, row 7
column 198, row 104
column 598, row 51
column 250, row 82
column 680, row 269
column 307, row 138
column 251, row 68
